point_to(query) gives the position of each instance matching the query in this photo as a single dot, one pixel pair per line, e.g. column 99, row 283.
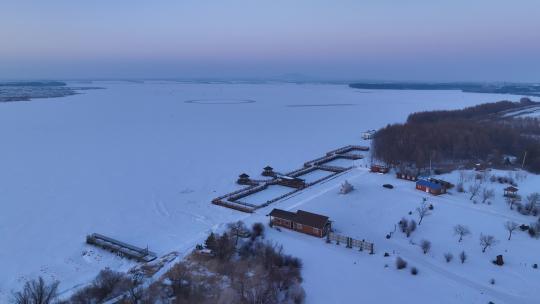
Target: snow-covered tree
column 422, row 211
column 346, row 187
column 462, row 257
column 425, row 245
column 474, row 189
column 487, row 241
column 487, row 194
column 511, row 200
column 448, row 257
column 461, row 231
column 510, row 227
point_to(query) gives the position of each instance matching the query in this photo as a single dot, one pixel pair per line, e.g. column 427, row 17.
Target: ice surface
column 340, row 162
column 315, row 175
column 261, row 197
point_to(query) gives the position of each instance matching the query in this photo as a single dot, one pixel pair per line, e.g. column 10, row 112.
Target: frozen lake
column 140, row 162
column 315, row 175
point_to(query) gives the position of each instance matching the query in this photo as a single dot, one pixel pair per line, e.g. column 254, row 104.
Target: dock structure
column 291, row 179
column 121, row 248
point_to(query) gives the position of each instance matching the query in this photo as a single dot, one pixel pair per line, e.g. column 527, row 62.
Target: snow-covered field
column 335, row 274
column 141, row 161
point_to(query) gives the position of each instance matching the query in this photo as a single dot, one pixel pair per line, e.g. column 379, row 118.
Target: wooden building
column 430, row 187
column 407, row 176
column 379, row 169
column 510, row 191
column 301, row 221
column 369, row 134
column 268, row 171
column 445, row 184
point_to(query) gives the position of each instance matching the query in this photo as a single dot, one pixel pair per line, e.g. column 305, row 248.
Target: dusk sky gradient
column 427, row 40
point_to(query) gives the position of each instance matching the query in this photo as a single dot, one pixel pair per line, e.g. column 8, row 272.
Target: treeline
column 237, row 266
column 443, row 137
column 479, row 111
column 515, row 89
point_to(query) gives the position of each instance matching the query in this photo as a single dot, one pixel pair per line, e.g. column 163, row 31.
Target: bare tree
column 461, row 177
column 237, row 230
column 487, row 241
column 425, row 245
column 411, row 227
column 448, row 257
column 532, row 203
column 487, row 194
column 511, row 200
column 461, row 231
column 422, row 211
column 510, row 227
column 462, row 257
column 37, row 292
column 474, row 189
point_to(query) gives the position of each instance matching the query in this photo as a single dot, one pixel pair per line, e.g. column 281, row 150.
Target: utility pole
column 523, row 163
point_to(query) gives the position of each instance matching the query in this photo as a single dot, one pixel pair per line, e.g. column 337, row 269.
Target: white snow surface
column 136, row 162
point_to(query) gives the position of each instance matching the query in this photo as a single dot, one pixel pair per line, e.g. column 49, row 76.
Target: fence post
column 372, row 250
column 349, row 242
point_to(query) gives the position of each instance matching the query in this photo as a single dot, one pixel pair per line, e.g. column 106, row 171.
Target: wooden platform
column 121, row 248
column 234, row 201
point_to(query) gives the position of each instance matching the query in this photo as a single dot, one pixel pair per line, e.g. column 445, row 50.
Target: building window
column 299, row 226
column 316, row 231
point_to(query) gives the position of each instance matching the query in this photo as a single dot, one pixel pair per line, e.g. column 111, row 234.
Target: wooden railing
column 350, row 242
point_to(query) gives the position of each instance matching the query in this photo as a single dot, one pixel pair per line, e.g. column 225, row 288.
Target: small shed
column 430, row 187
column 369, row 134
column 268, row 171
column 301, row 221
column 510, row 191
column 407, row 176
column 379, row 169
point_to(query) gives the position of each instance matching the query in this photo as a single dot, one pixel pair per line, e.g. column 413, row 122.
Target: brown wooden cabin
column 379, row 169
column 407, row 176
column 301, row 221
column 510, row 191
column 293, row 182
column 268, row 171
column 430, row 187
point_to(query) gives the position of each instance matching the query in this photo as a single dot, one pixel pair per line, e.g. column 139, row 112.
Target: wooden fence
column 350, row 242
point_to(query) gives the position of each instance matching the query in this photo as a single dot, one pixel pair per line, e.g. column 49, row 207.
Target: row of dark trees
column 478, row 111
column 458, row 136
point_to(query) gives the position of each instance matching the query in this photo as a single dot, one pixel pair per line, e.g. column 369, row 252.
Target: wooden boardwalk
column 233, row 200
column 121, row 248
